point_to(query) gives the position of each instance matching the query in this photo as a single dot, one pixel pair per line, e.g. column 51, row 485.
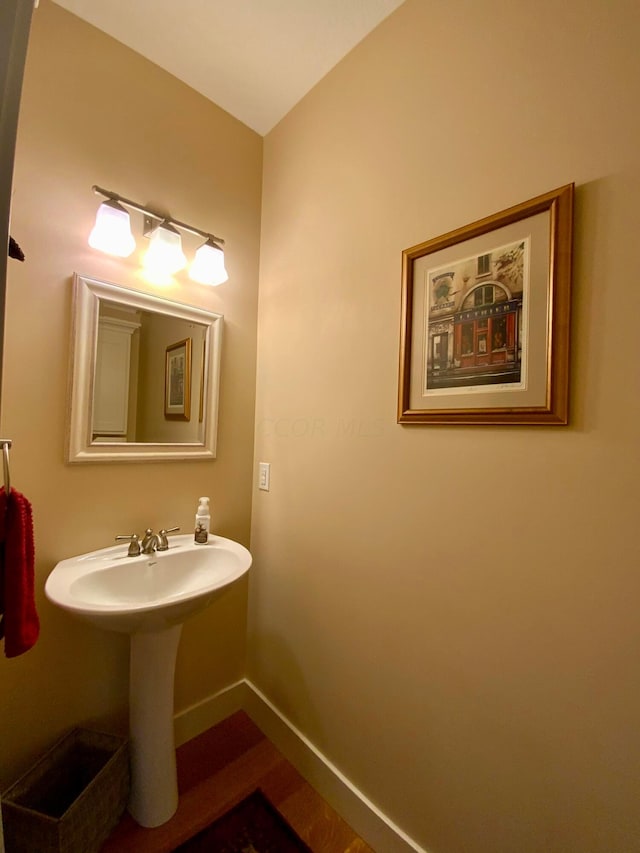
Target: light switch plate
column 264, row 476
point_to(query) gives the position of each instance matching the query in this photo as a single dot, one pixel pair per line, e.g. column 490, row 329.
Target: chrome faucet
column 149, row 542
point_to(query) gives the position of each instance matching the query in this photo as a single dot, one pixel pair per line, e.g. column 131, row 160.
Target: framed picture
column 484, row 337
column 177, row 381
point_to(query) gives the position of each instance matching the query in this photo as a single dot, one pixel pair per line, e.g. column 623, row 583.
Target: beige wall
column 451, row 613
column 93, row 112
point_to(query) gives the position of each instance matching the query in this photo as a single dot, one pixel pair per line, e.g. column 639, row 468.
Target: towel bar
column 6, row 444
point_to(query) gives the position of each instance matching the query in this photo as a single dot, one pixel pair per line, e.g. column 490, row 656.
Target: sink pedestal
column 154, row 784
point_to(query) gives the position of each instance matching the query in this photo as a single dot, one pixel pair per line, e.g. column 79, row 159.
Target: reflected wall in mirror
column 136, row 361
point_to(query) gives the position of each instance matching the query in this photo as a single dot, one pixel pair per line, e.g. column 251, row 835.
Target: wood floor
column 218, row 769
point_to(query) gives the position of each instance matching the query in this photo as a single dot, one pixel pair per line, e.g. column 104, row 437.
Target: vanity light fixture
column 208, row 264
column 164, row 255
column 112, row 231
column 112, row 234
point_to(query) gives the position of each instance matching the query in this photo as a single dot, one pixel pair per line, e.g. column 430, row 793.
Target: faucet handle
column 134, row 544
column 163, row 544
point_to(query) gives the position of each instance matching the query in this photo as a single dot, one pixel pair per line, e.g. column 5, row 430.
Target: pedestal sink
column 149, row 597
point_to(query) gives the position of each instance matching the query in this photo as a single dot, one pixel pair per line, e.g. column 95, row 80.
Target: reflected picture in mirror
column 177, row 381
column 144, row 376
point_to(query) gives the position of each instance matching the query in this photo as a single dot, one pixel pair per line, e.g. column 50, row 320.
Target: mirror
column 144, row 376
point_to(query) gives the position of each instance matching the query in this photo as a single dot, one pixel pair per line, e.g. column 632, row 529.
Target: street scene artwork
column 475, row 332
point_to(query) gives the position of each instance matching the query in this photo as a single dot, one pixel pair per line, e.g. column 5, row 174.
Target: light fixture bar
column 154, row 214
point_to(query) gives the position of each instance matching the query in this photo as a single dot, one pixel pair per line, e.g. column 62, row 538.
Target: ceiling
column 254, row 58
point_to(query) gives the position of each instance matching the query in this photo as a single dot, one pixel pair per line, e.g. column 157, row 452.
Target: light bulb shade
column 208, row 265
column 164, row 255
column 112, row 231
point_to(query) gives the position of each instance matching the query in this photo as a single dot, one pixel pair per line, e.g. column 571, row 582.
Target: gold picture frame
column 177, row 381
column 485, row 327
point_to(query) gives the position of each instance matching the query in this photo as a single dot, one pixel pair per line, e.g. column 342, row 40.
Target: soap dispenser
column 203, row 522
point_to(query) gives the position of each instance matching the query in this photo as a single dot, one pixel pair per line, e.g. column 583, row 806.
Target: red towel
column 20, row 624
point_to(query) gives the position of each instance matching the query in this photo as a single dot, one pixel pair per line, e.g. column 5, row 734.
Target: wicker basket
column 71, row 798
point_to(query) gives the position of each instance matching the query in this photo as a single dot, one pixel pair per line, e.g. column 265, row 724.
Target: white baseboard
column 359, row 812
column 196, row 719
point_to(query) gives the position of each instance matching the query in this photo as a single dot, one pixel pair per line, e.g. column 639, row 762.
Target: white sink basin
column 149, row 597
column 149, row 592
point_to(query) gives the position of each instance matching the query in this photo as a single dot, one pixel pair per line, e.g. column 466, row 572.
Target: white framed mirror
column 144, row 379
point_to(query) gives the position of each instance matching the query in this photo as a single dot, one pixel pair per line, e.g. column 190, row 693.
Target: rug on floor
column 253, row 826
